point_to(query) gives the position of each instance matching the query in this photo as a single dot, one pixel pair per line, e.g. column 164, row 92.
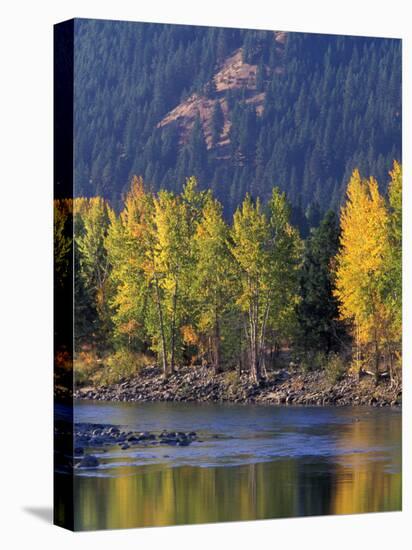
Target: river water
column 251, row 462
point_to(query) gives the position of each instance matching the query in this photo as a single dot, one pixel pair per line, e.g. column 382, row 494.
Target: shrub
column 334, row 367
column 121, row 364
column 231, row 378
column 86, row 364
column 313, row 361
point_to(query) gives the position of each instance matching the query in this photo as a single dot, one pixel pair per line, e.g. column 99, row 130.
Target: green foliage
column 62, row 240
column 318, row 325
column 335, row 367
column 214, row 283
column 267, row 252
column 127, row 242
column 90, row 369
column 91, row 277
column 121, row 365
column 392, row 286
column 331, row 363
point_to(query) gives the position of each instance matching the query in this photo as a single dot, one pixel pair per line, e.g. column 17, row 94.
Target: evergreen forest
column 241, row 110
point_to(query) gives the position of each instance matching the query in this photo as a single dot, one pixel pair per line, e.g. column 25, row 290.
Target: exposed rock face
column 234, row 74
column 285, row 386
column 196, row 106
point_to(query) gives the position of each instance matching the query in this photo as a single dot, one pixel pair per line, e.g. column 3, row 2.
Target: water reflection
column 363, row 474
column 278, row 489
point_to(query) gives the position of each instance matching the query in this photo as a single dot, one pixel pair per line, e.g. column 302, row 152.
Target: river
column 250, row 462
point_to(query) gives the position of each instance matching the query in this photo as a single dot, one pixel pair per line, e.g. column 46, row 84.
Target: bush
column 86, row 364
column 334, row 367
column 231, row 378
column 95, row 371
column 313, row 361
column 122, row 364
column 333, row 364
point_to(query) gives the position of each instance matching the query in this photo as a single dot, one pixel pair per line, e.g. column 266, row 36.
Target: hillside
column 242, row 110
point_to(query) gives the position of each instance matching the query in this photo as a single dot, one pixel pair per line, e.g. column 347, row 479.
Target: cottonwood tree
column 172, row 262
column 285, row 253
column 267, row 253
column 214, row 277
column 127, row 248
column 361, row 264
column 94, row 267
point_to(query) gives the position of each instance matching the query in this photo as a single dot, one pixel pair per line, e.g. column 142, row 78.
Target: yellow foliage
column 361, row 261
column 189, row 335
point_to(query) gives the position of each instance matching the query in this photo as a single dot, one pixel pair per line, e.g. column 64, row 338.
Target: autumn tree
column 361, row 264
column 126, row 246
column 250, row 235
column 393, row 287
column 172, row 255
column 284, row 264
column 91, row 223
column 267, row 252
column 213, row 283
column 63, row 269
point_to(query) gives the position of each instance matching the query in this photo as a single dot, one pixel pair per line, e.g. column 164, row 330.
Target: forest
column 309, row 108
column 169, row 281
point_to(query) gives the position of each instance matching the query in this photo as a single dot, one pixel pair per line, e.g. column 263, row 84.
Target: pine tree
column 217, row 123
column 319, row 328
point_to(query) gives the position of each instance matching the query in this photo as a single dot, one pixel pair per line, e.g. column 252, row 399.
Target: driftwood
column 364, row 372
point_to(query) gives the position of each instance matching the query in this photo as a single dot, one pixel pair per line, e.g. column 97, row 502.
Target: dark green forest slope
column 241, row 110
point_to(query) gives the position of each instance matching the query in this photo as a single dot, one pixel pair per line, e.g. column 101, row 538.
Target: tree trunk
column 217, row 343
column 358, row 364
column 377, row 357
column 262, row 339
column 173, row 333
column 162, row 331
column 240, row 350
column 254, row 345
column 390, row 366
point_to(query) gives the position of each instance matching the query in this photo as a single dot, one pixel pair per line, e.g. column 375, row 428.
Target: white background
column 26, row 272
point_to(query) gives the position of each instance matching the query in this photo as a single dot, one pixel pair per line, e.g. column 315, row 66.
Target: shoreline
column 285, row 386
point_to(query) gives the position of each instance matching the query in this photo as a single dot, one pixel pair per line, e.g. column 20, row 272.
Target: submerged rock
column 89, row 461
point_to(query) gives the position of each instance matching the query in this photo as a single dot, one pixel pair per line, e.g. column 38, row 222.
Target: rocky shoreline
column 286, row 386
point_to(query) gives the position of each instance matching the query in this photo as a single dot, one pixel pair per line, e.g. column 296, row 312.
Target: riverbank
column 285, row 386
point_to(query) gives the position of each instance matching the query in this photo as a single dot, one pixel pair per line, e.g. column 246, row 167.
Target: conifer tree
column 318, row 326
column 217, row 123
